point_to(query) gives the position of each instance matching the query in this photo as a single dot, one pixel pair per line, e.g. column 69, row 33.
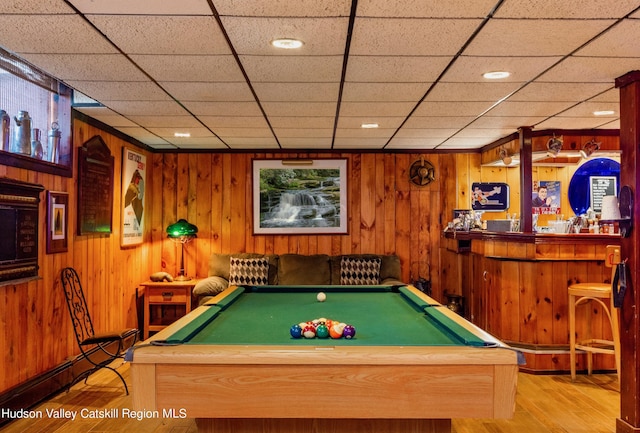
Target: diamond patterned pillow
column 253, row 272
column 362, row 272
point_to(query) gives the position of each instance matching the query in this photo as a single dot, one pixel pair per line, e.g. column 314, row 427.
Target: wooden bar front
column 515, row 287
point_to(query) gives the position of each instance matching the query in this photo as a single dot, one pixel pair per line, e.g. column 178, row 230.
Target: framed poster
column 545, row 197
column 489, row 196
column 300, row 196
column 57, row 221
column 134, row 167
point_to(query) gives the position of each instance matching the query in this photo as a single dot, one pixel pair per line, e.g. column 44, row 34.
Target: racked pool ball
column 296, row 331
column 309, row 331
column 321, row 297
column 349, row 332
column 336, row 331
column 322, row 331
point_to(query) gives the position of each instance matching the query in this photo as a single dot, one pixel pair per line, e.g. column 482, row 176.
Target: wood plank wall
column 35, row 330
column 387, row 213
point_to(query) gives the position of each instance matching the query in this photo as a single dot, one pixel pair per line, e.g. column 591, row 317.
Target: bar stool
column 597, row 292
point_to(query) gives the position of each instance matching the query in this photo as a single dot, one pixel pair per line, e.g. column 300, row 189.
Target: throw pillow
column 252, row 272
column 362, row 272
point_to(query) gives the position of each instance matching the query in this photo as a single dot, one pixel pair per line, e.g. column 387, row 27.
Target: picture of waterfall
column 299, row 198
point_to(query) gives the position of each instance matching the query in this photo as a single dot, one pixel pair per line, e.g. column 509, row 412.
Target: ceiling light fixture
column 287, row 43
column 589, row 148
column 603, row 113
column 369, row 125
column 182, row 134
column 496, row 75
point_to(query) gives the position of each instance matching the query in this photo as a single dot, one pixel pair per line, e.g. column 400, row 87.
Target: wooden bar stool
column 601, row 293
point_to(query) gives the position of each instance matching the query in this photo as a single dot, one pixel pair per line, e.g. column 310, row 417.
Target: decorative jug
column 5, row 122
column 22, row 137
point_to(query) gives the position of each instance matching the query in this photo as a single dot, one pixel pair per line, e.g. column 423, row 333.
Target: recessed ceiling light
column 603, row 113
column 496, row 75
column 287, row 43
column 369, row 125
column 182, row 134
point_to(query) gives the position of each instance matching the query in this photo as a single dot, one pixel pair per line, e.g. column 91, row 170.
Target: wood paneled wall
column 35, row 330
column 387, row 213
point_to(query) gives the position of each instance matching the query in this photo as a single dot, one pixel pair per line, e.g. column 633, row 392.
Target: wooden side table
column 164, row 303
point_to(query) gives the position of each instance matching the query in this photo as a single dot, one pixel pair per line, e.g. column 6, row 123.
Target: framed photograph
column 57, row 220
column 134, row 166
column 300, row 196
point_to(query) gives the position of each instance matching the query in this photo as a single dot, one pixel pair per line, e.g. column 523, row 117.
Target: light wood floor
column 545, row 404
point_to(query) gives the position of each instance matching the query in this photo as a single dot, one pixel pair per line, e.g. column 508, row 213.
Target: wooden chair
column 601, row 293
column 98, row 349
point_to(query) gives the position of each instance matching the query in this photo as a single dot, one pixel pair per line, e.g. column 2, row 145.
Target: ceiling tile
column 159, row 108
column 559, row 91
column 444, row 108
column 35, row 7
column 200, row 68
column 426, row 133
column 422, row 122
column 252, row 143
column 160, row 121
column 423, row 9
column 284, row 8
column 566, row 9
column 365, row 133
column 209, row 91
column 107, row 116
column 226, row 133
column 522, row 108
column 506, row 123
column 472, row 91
column 41, row 34
column 234, row 121
column 396, row 92
column 142, row 135
column 410, row 37
column 615, row 42
column 413, row 143
column 534, row 37
column 223, row 108
column 293, row 69
column 303, row 132
column 395, row 69
column 314, row 122
column 292, row 92
column 304, row 143
column 143, row 7
column 323, row 109
column 376, row 109
column 253, row 36
column 359, row 143
column 120, row 91
column 87, row 67
column 574, row 122
column 590, row 69
column 139, row 34
column 388, row 122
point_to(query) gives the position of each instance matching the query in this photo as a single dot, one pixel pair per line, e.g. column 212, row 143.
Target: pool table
column 412, row 366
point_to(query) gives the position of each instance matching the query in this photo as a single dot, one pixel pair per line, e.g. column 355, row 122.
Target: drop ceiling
column 153, row 68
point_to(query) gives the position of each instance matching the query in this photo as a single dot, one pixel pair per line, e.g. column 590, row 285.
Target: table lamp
column 182, row 232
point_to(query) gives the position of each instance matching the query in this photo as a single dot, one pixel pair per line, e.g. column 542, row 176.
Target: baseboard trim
column 41, row 387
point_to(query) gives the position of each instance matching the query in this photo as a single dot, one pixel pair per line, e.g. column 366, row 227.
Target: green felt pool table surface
column 382, row 316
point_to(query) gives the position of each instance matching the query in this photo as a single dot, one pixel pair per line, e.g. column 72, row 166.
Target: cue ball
column 321, row 297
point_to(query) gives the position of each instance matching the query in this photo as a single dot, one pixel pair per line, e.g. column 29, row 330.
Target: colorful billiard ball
column 322, row 331
column 335, row 332
column 296, row 331
column 309, row 331
column 321, row 297
column 349, row 332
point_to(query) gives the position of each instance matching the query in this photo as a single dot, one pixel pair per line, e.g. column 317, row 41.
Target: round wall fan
column 422, row 172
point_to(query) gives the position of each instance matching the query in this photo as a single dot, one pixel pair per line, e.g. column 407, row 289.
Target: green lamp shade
column 182, row 228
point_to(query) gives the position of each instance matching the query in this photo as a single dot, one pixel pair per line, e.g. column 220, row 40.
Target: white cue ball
column 321, row 297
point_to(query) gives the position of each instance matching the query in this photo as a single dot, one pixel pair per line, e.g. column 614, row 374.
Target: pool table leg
column 324, row 425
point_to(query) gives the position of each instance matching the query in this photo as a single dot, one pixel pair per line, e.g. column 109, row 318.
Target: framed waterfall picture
column 300, row 196
column 134, row 166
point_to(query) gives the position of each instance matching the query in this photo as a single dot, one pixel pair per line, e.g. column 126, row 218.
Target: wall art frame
column 134, row 166
column 57, row 222
column 300, row 196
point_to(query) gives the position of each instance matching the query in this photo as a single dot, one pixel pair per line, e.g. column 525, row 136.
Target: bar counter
column 514, row 286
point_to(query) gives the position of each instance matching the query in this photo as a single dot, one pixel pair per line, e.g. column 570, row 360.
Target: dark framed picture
column 57, row 221
column 300, row 196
